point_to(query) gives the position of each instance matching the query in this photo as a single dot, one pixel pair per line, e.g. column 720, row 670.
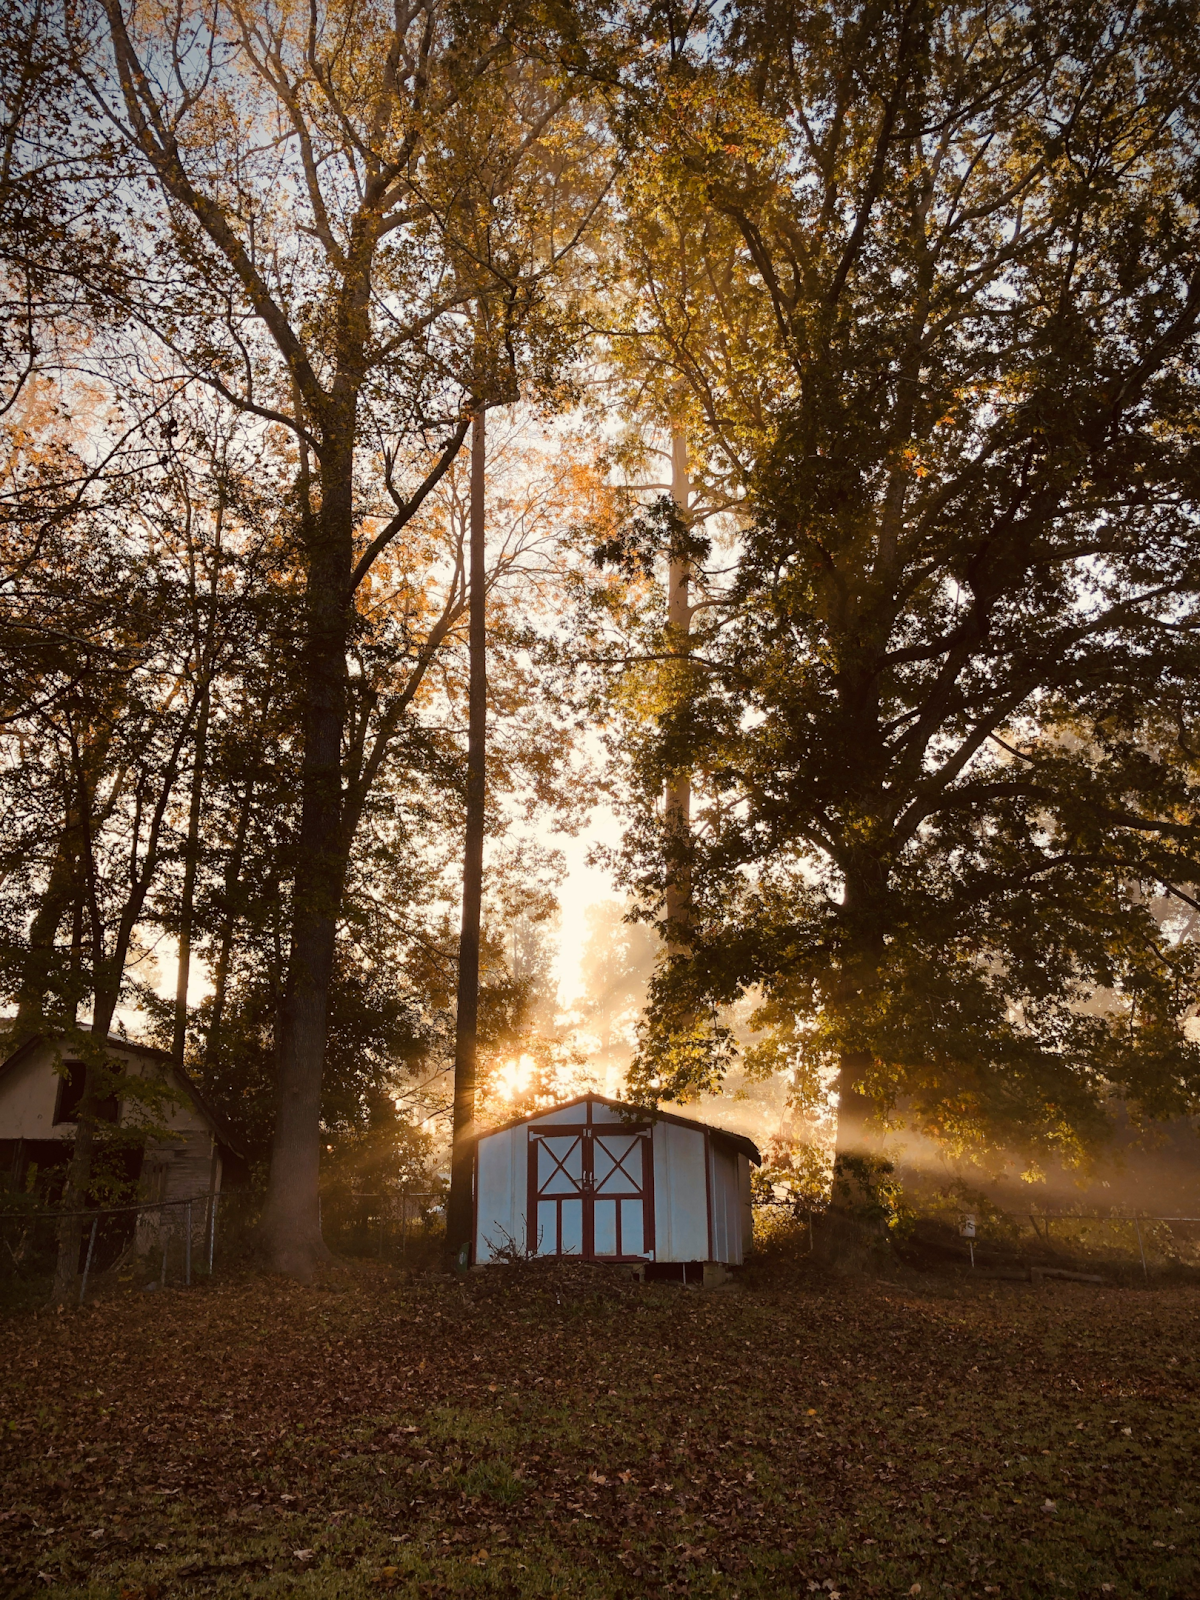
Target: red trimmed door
column 557, row 1192
column 590, row 1193
column 622, row 1220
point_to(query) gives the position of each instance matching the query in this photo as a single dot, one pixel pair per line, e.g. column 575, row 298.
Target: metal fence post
column 1137, row 1225
column 212, row 1231
column 165, row 1218
column 87, row 1265
column 188, row 1250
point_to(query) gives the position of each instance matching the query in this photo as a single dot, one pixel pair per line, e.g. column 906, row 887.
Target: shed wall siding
column 747, row 1205
column 680, row 1194
column 503, row 1193
column 726, row 1205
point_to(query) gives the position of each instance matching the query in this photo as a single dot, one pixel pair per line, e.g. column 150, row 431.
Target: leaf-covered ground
column 568, row 1435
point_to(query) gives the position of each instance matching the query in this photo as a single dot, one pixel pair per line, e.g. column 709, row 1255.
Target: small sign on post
column 967, row 1230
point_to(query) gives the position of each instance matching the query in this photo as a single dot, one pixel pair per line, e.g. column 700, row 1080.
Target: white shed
column 603, row 1181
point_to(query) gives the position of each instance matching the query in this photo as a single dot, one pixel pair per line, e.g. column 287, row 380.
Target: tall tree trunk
column 856, row 1215
column 75, row 979
column 857, row 1142
column 191, row 856
column 678, row 798
column 108, row 969
column 79, row 1168
column 855, row 1226
column 96, row 1085
column 460, row 1209
column 38, row 966
column 290, row 1230
column 70, row 1224
column 204, row 665
column 104, row 1003
column 63, row 890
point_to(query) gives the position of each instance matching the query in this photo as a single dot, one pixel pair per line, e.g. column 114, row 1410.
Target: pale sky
column 583, row 887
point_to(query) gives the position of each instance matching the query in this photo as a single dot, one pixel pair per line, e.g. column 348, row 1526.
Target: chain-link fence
column 404, row 1227
column 178, row 1241
column 171, row 1241
column 1118, row 1245
column 1115, row 1239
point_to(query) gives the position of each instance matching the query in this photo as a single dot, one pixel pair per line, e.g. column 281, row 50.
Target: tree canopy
column 841, row 511
column 930, row 276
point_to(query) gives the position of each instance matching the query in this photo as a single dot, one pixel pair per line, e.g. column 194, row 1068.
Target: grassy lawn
column 571, row 1434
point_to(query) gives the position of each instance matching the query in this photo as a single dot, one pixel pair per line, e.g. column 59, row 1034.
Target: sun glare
column 514, row 1077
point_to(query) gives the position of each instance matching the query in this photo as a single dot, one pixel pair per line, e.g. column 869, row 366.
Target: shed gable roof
column 738, row 1141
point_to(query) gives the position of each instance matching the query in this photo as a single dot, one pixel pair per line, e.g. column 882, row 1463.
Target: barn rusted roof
column 739, row 1141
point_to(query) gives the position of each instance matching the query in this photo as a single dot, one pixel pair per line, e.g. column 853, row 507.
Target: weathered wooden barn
column 599, row 1180
column 188, row 1155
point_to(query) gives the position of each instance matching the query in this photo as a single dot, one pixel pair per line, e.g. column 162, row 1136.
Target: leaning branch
column 407, row 509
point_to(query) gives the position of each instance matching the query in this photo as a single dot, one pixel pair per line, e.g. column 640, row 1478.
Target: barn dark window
column 70, row 1093
column 10, row 1163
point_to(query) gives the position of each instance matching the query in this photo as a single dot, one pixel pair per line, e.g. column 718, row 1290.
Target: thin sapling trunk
column 460, row 1211
column 678, row 798
column 187, row 902
column 233, row 874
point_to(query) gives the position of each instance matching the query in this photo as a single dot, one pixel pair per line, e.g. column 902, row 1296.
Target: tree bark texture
column 857, row 1219
column 290, row 1229
column 460, row 1210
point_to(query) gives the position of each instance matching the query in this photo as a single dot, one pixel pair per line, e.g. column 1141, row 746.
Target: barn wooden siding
column 184, row 1160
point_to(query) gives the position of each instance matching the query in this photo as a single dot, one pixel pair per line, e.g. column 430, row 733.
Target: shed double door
column 590, row 1193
